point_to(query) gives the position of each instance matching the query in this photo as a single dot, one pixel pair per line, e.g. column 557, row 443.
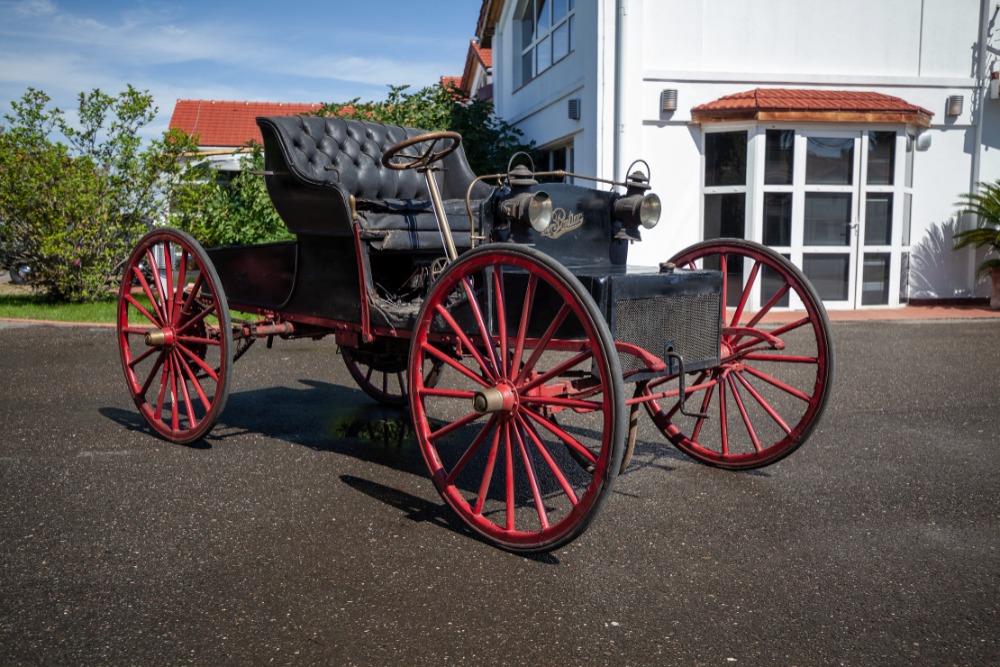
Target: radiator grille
column 690, row 322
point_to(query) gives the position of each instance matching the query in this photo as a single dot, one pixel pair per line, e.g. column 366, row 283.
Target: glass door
column 827, row 213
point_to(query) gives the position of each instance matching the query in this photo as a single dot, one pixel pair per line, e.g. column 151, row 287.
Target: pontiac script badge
column 562, row 223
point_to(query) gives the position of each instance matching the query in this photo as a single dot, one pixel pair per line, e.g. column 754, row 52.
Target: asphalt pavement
column 304, row 530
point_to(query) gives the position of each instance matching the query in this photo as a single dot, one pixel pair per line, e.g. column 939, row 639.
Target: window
column 555, row 159
column 546, row 35
column 725, row 184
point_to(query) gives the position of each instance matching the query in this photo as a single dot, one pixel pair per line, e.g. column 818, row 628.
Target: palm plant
column 985, row 204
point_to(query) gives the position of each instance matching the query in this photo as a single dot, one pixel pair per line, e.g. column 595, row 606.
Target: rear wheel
column 379, row 371
column 174, row 335
column 524, row 423
column 776, row 368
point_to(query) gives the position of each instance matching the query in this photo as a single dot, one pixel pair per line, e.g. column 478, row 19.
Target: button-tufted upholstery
column 318, row 162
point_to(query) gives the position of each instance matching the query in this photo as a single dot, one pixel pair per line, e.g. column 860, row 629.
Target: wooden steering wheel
column 425, row 159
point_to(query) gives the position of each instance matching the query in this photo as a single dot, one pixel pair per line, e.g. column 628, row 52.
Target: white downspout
column 981, row 91
column 619, row 112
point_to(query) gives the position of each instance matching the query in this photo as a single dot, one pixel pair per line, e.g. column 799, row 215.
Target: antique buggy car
column 502, row 311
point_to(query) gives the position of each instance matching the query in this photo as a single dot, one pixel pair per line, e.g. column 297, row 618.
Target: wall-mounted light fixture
column 668, row 100
column 573, row 109
column 955, row 105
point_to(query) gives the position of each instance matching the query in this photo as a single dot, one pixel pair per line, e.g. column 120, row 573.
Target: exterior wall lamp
column 955, row 105
column 668, row 100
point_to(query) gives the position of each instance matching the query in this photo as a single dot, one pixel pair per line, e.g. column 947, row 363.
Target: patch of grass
column 36, row 307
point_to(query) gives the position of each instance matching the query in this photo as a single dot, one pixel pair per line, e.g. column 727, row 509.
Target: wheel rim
column 522, row 439
column 174, row 335
column 773, row 380
column 383, row 380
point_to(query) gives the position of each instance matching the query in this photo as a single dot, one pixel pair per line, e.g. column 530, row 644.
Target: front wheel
column 776, row 370
column 523, row 425
column 174, row 335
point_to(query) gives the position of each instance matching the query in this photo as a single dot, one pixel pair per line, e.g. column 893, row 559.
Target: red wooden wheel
column 379, row 372
column 524, row 427
column 775, row 374
column 174, row 335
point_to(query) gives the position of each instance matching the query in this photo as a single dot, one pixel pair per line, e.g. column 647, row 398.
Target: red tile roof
column 485, row 55
column 225, row 124
column 451, row 80
column 831, row 105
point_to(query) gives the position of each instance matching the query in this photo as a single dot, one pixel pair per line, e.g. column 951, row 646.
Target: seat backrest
column 316, row 163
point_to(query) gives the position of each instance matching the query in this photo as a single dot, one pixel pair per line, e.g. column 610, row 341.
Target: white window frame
column 529, row 7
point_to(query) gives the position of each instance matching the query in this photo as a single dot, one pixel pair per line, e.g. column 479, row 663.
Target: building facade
column 840, row 134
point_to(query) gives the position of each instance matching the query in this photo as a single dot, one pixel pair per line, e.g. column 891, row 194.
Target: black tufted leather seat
column 317, row 163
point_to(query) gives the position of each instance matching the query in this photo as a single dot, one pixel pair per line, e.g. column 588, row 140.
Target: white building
column 856, row 182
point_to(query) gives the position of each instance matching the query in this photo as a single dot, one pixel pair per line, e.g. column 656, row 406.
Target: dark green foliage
column 74, row 210
column 228, row 213
column 488, row 141
column 985, row 204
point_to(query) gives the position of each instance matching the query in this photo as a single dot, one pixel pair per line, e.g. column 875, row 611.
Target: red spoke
column 138, row 306
column 198, row 340
column 402, row 383
column 501, row 317
column 704, row 409
column 192, row 295
column 536, row 491
column 471, row 451
column 763, row 403
column 142, row 357
column 543, row 342
column 197, row 386
column 553, row 466
column 447, row 393
column 484, row 485
column 174, row 416
column 139, row 331
column 168, row 299
column 148, row 292
column 725, row 284
column 179, row 290
column 192, row 422
column 723, row 424
column 446, row 316
column 481, row 323
column 777, row 383
column 780, row 331
column 445, row 430
column 563, row 435
column 152, row 373
column 786, row 358
column 155, row 270
column 522, row 330
column 197, row 318
column 201, row 363
column 743, row 413
column 434, row 352
column 556, row 370
column 746, row 293
column 510, row 476
column 163, row 387
column 576, row 404
column 768, row 306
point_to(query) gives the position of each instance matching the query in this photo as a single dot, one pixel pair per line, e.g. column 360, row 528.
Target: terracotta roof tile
column 822, row 101
column 485, row 55
column 225, row 124
column 451, row 80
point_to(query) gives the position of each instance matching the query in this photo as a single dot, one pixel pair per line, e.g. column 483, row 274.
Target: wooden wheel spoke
column 467, row 344
column 438, row 354
column 446, row 393
column 152, row 373
column 484, row 484
column 747, row 289
column 543, row 343
column 481, row 324
column 453, row 426
column 160, row 304
column 547, row 456
column 522, row 330
column 567, row 439
column 501, row 317
column 723, row 423
column 763, row 403
column 200, row 362
column 179, row 289
column 179, row 364
column 771, row 303
column 783, row 358
column 471, row 450
column 168, row 282
column 142, row 357
column 197, row 318
column 743, row 412
column 777, row 383
column 145, row 313
column 529, row 470
column 696, row 433
column 191, row 297
column 557, row 370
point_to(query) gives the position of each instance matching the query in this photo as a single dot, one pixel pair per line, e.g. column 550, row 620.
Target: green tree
column 74, row 210
column 489, row 141
column 227, row 213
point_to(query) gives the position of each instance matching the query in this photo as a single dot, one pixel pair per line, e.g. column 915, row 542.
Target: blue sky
column 266, row 51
